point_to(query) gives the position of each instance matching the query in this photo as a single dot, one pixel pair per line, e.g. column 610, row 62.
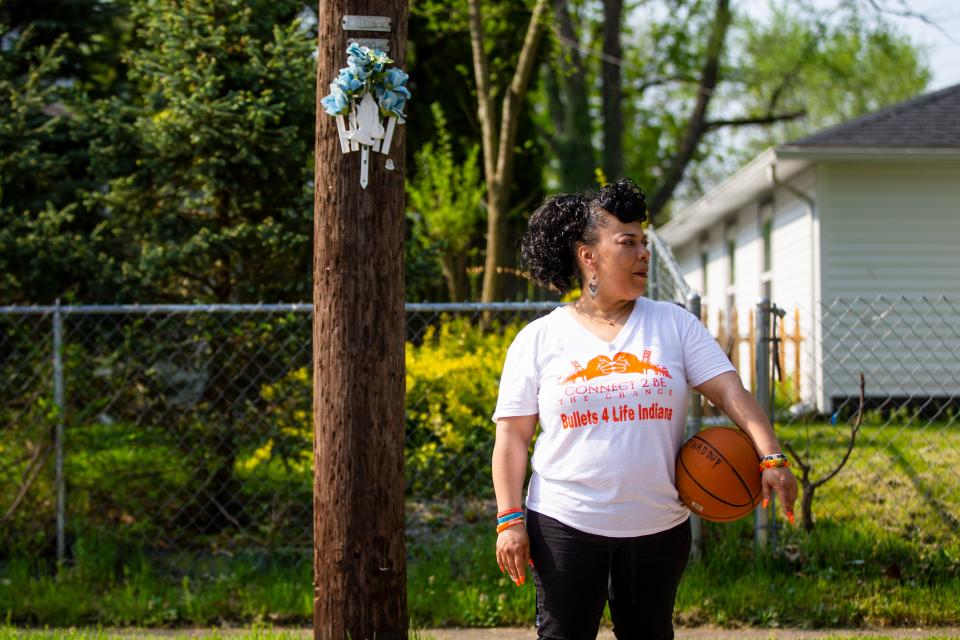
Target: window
column 731, row 261
column 768, row 245
column 704, row 261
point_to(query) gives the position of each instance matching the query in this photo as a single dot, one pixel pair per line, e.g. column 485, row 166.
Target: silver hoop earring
column 593, row 285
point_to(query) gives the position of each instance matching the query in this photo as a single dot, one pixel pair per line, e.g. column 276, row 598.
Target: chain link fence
column 885, row 462
column 188, row 428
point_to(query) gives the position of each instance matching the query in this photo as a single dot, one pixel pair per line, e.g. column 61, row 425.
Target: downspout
column 815, row 285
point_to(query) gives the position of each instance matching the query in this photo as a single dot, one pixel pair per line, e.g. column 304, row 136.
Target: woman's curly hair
column 548, row 247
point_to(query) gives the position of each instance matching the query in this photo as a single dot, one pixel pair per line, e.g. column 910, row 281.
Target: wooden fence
column 731, row 339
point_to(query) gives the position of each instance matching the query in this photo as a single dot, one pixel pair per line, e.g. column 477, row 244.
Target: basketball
column 718, row 474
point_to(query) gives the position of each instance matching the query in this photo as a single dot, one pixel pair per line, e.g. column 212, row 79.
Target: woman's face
column 620, row 259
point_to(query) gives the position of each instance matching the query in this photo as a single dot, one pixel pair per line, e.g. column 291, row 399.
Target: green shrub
column 452, row 385
column 451, row 390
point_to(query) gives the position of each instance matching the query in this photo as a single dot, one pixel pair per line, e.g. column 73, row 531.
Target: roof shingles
column 930, row 120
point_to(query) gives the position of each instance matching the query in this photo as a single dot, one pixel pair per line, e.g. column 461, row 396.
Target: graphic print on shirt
column 649, row 380
column 623, row 362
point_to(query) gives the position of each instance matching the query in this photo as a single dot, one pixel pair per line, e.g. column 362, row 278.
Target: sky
column 943, row 49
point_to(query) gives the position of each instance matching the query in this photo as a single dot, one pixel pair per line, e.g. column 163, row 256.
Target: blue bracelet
column 509, row 517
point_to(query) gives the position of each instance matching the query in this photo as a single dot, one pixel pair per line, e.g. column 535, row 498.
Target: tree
column 567, row 98
column 358, row 359
column 498, row 138
column 447, row 195
column 441, row 67
column 705, row 86
column 207, row 171
column 44, row 240
column 612, row 89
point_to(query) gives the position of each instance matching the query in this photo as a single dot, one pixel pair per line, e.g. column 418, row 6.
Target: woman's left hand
column 781, row 480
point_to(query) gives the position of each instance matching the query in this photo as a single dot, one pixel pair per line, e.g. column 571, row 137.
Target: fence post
column 654, row 278
column 762, row 517
column 58, row 400
column 694, row 424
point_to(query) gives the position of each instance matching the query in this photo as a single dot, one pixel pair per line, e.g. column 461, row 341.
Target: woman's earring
column 593, row 285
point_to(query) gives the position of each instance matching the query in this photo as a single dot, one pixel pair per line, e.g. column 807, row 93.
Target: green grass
column 885, row 551
column 256, row 632
column 838, row 577
column 901, row 479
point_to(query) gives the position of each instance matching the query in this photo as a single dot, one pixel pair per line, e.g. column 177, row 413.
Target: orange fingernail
column 766, row 501
column 523, row 579
column 790, row 516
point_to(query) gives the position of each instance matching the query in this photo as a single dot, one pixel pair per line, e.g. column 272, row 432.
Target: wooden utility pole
column 358, row 340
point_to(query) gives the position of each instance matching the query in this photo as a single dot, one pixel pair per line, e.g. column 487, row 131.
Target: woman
column 608, row 379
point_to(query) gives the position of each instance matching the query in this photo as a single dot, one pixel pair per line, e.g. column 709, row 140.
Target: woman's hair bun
column 624, row 199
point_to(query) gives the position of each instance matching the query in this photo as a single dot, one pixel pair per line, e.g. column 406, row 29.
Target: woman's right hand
column 513, row 553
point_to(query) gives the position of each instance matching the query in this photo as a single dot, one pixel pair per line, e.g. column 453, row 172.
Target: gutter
column 858, row 152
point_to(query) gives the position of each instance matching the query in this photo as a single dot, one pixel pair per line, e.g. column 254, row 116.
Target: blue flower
column 347, row 81
column 359, row 69
column 395, row 78
column 392, row 103
column 336, row 103
column 356, row 51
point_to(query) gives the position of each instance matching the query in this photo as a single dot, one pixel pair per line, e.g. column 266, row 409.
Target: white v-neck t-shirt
column 612, row 414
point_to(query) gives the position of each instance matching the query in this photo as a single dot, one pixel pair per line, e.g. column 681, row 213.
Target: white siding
column 746, row 289
column 792, row 287
column 891, row 229
column 793, row 278
column 688, row 259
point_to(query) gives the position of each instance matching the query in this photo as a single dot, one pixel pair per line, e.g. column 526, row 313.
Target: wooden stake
column 797, row 339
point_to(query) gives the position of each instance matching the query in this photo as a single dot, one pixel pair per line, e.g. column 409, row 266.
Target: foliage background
column 162, row 150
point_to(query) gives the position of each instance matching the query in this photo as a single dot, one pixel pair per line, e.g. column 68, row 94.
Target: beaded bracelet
column 773, row 461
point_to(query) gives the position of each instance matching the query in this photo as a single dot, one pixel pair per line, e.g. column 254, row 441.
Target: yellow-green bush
column 452, row 379
column 452, row 383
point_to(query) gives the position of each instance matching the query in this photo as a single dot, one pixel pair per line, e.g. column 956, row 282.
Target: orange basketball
column 718, row 474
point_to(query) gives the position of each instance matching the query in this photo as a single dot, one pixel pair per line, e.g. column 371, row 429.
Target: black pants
column 576, row 573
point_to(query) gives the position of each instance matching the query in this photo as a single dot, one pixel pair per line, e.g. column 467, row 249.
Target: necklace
column 607, row 321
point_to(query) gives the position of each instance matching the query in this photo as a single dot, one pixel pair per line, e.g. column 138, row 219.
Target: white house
column 836, row 227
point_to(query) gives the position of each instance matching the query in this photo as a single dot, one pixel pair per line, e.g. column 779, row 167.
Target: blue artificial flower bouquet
column 367, row 70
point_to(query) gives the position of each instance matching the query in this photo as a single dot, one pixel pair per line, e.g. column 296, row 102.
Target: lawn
column 885, row 552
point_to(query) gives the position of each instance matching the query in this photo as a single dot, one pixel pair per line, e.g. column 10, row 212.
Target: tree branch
column 612, row 91
column 709, row 77
column 810, row 486
column 481, row 74
column 513, row 98
column 770, row 118
column 647, row 84
column 500, row 169
column 854, row 430
column 33, row 470
column 906, row 13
